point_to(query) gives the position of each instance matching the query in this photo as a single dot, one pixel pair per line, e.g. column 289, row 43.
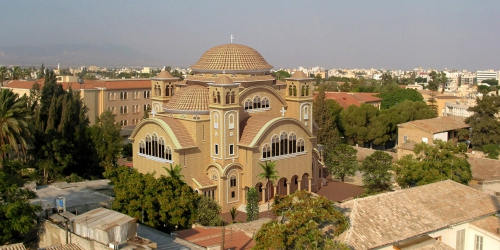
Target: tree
column 484, row 122
column 396, row 96
column 281, row 74
column 317, row 79
column 376, row 175
column 17, row 215
column 234, row 212
column 386, row 79
column 492, row 151
column 326, row 115
column 355, row 122
column 308, row 222
column 270, row 174
column 341, row 161
column 433, row 163
column 3, row 74
column 208, row 212
column 252, row 207
column 105, row 134
column 175, row 172
column 438, row 80
column 16, row 133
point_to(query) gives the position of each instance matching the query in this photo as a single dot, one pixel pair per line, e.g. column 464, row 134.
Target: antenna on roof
column 231, row 38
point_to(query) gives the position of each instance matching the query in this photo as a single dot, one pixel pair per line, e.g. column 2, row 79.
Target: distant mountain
column 74, row 55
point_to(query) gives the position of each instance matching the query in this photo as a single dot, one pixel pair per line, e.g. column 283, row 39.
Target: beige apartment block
column 224, row 120
column 126, row 98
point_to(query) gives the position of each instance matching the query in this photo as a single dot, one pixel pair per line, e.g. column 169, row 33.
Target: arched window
column 283, row 143
column 292, row 143
column 294, row 90
column 218, row 97
column 216, row 121
column 300, row 146
column 228, row 97
column 148, row 144
column 167, row 90
column 306, row 112
column 248, row 104
column 290, row 90
column 256, row 102
column 168, row 153
column 303, row 91
column 232, row 181
column 155, row 145
column 233, row 97
column 307, row 90
column 161, row 148
column 142, row 147
column 214, row 97
column 265, row 102
column 266, row 151
column 231, row 121
column 275, row 143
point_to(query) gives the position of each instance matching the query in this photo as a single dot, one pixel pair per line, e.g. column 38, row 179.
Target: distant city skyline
column 386, row 34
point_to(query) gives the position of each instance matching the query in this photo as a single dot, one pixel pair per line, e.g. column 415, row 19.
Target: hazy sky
column 390, row 34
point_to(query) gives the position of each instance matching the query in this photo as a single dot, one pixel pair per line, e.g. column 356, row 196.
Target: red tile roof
column 440, row 124
column 212, row 236
column 346, row 99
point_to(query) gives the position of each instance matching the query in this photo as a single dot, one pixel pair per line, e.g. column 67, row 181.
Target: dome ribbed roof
column 192, row 98
column 299, row 75
column 231, row 57
column 164, row 75
column 223, row 80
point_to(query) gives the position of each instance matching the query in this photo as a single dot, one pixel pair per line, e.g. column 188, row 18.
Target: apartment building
column 485, row 75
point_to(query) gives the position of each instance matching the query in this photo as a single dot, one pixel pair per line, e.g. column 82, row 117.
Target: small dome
column 223, row 80
column 231, row 57
column 299, row 75
column 192, row 98
column 164, row 75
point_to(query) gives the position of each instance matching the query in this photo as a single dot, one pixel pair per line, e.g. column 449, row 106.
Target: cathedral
column 224, row 119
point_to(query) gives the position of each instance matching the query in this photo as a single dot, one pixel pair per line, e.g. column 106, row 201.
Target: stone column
column 310, row 185
column 299, row 182
column 263, row 194
column 287, row 188
column 274, row 188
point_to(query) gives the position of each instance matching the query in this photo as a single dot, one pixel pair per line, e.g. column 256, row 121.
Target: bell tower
column 224, row 119
column 162, row 89
column 299, row 96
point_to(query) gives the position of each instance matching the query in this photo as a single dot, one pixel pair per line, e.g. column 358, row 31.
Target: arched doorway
column 294, row 184
column 259, row 189
column 269, row 191
column 282, row 187
column 304, row 185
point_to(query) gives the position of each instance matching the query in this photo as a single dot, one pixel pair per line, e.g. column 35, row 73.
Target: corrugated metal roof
column 19, row 246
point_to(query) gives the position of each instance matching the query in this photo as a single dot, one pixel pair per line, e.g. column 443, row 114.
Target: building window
column 168, row 153
column 216, row 121
column 216, row 149
column 123, row 95
column 142, row 147
column 460, row 240
column 231, row 149
column 123, row 123
column 123, row 110
column 265, row 102
column 146, row 107
column 300, row 146
column 405, row 138
column 147, row 94
column 231, row 121
column 478, row 242
column 292, row 143
column 233, row 194
column 266, row 151
column 275, row 145
column 248, row 104
column 256, row 102
column 306, row 112
column 233, row 181
column 283, row 143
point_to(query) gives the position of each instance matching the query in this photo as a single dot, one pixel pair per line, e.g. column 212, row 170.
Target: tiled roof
column 88, row 84
column 346, row 99
column 213, row 236
column 436, row 245
column 490, row 224
column 484, row 169
column 387, row 218
column 440, row 124
column 191, row 98
column 231, row 57
column 71, row 246
column 223, row 80
column 164, row 75
column 299, row 75
column 180, row 132
column 236, row 79
column 204, row 181
column 251, row 126
column 18, row 246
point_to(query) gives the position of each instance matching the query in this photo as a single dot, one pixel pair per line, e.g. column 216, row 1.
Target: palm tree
column 16, row 73
column 175, row 172
column 3, row 74
column 16, row 133
column 270, row 174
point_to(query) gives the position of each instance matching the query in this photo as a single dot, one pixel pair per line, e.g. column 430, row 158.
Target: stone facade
column 224, row 120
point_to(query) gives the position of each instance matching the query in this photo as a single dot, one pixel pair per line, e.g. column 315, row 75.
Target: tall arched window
column 306, row 112
column 283, row 143
column 142, row 147
column 155, row 145
column 168, row 153
column 266, row 151
column 161, row 148
column 228, row 97
column 232, row 181
column 275, row 144
column 294, row 90
column 248, row 104
column 290, row 90
column 167, row 90
column 303, row 91
column 216, row 121
column 256, row 102
column 292, row 143
column 233, row 97
column 265, row 102
column 307, row 90
column 300, row 146
column 148, row 144
column 231, row 121
column 218, row 97
column 214, row 97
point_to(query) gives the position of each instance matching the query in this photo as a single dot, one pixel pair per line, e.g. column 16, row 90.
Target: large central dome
column 231, row 58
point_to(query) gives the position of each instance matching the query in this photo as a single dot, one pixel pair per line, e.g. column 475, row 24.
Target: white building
column 485, row 75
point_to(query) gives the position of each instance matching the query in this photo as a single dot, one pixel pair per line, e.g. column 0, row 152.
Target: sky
column 382, row 34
